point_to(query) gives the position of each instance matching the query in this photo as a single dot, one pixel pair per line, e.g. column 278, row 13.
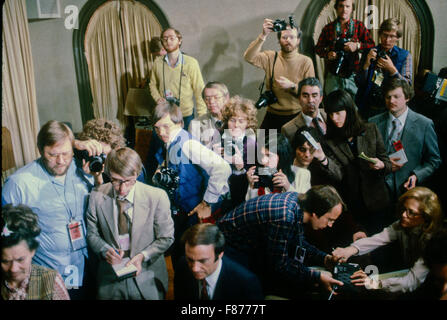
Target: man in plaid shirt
column 266, row 234
column 358, row 38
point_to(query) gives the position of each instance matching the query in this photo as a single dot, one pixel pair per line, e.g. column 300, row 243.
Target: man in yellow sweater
column 177, row 78
column 290, row 68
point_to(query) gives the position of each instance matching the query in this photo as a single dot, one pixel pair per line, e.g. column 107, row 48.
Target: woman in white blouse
column 420, row 217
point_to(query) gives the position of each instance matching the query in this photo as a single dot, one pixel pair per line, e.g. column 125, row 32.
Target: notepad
column 365, row 157
column 401, row 155
column 123, row 272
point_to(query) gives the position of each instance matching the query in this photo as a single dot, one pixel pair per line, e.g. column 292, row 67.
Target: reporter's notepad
column 123, row 272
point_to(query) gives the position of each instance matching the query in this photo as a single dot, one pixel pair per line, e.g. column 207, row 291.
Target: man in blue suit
column 401, row 127
column 207, row 274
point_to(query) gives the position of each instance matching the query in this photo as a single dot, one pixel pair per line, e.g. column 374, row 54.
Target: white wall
column 216, row 32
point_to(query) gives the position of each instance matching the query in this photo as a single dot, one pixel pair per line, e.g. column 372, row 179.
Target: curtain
column 401, row 9
column 117, row 52
column 19, row 106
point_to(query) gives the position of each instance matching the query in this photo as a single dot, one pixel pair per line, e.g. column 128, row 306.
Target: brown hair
column 104, row 131
column 396, row 83
column 205, row 234
column 155, row 45
column 238, row 104
column 51, row 133
column 123, row 161
column 168, row 108
column 177, row 33
column 320, row 200
column 216, row 85
column 391, row 24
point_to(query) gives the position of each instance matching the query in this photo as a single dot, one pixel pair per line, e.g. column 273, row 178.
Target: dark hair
column 338, row 1
column 155, row 45
column 299, row 139
column 285, row 154
column 123, row 161
column 341, row 100
column 19, row 223
column 392, row 24
column 435, row 251
column 395, row 83
column 103, row 130
column 312, row 82
column 205, row 234
column 298, row 31
column 320, row 200
column 51, row 133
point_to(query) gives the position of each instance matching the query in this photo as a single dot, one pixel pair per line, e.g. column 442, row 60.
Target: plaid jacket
column 326, row 43
column 273, row 223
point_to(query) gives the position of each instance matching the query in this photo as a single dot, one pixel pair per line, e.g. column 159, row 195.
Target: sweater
column 192, row 83
column 294, row 66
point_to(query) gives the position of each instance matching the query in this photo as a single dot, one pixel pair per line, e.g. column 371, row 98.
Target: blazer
column 152, row 231
column 356, row 173
column 235, row 282
column 291, row 127
column 420, row 145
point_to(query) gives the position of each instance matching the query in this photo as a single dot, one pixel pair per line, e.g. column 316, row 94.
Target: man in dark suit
column 402, row 127
column 207, row 275
column 310, row 95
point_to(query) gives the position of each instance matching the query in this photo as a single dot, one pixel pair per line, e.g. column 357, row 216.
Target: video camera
column 95, row 162
column 265, row 175
column 279, row 25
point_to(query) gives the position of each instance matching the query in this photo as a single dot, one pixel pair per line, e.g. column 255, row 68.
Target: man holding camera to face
column 283, row 71
column 57, row 189
column 339, row 44
column 378, row 65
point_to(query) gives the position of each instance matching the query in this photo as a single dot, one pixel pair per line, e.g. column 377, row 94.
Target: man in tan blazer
column 310, row 95
column 128, row 219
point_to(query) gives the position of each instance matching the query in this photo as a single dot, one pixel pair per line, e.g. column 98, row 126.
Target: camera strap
column 271, row 78
column 181, row 74
column 338, row 32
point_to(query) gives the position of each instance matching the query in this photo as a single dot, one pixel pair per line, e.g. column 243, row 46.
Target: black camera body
column 95, row 162
column 167, row 179
column 173, row 100
column 267, row 98
column 280, row 25
column 341, row 54
column 265, row 175
column 381, row 54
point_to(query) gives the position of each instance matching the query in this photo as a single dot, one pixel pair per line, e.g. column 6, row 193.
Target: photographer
column 289, row 66
column 201, row 175
column 380, row 64
column 339, row 44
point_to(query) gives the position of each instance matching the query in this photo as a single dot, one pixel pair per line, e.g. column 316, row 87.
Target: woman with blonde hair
column 420, row 217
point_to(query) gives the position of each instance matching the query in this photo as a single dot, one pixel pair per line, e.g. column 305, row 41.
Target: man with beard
column 57, row 190
column 310, row 95
column 176, row 77
column 285, row 69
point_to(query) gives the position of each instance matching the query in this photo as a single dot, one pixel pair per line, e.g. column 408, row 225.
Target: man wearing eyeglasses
column 176, row 77
column 378, row 65
column 129, row 223
column 290, row 67
column 207, row 127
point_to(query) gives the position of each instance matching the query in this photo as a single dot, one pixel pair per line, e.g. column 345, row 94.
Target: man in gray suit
column 128, row 219
column 310, row 95
column 402, row 127
column 207, row 127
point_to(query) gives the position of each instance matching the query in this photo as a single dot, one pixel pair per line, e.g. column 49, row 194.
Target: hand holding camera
column 92, row 155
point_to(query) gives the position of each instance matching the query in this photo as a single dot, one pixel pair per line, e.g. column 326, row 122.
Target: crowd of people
column 244, row 211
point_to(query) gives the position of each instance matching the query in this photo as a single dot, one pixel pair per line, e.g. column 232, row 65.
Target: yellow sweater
column 294, row 66
column 192, row 83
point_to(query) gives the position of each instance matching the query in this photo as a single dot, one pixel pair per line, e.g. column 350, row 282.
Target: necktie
column 320, row 125
column 204, row 292
column 123, row 223
column 394, row 135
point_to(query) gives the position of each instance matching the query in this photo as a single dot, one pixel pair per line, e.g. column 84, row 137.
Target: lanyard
column 338, row 32
column 64, row 200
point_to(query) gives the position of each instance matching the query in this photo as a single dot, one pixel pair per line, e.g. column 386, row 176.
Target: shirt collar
column 211, row 280
column 130, row 195
column 180, row 59
column 308, row 119
column 402, row 118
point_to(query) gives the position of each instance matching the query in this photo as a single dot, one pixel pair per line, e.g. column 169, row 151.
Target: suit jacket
column 291, row 127
column 235, row 282
column 152, row 230
column 420, row 145
column 356, row 176
column 204, row 130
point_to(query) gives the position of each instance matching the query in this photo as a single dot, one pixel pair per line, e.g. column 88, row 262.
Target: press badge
column 378, row 78
column 76, row 234
column 300, row 254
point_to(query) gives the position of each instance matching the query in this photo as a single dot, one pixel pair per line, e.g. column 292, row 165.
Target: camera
column 381, row 54
column 341, row 54
column 173, row 100
column 95, row 162
column 167, row 179
column 279, row 25
column 267, row 98
column 265, row 175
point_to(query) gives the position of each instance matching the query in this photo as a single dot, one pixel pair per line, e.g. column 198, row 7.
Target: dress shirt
column 308, row 119
column 55, row 204
column 402, row 118
column 211, row 280
column 215, row 166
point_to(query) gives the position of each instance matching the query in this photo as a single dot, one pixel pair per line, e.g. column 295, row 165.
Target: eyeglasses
column 171, row 38
column 411, row 213
column 64, row 155
column 388, row 36
column 211, row 98
column 118, row 182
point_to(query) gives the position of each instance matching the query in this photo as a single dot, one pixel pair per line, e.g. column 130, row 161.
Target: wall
column 215, row 32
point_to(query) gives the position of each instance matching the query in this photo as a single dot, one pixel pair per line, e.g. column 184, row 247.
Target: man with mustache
column 289, row 66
